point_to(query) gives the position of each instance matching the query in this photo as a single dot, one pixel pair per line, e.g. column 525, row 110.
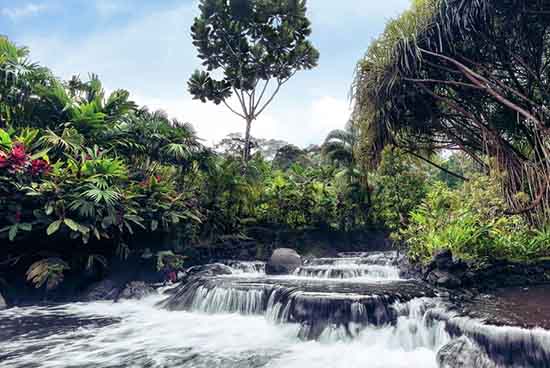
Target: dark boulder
column 103, row 290
column 444, row 279
column 3, row 304
column 136, row 290
column 283, row 261
column 462, row 353
column 443, row 259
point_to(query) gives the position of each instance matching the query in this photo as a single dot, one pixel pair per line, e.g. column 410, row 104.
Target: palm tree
column 340, row 148
column 340, row 145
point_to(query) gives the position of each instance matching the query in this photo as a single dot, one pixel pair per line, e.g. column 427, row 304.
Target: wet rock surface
column 463, row 353
column 136, row 290
column 208, row 270
column 283, row 261
column 444, row 271
column 526, row 307
column 103, row 290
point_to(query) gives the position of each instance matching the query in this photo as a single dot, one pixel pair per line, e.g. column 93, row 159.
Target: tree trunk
column 247, row 143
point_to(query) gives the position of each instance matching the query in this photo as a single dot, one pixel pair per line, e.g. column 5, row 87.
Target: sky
column 144, row 46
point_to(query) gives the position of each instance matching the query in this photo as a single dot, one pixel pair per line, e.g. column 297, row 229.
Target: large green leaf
column 53, row 227
column 73, row 225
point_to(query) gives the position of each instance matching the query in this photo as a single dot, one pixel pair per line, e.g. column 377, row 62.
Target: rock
column 444, row 279
column 462, row 353
column 207, row 270
column 407, row 270
column 283, row 261
column 443, row 259
column 136, row 290
column 103, row 290
column 212, row 269
column 3, row 304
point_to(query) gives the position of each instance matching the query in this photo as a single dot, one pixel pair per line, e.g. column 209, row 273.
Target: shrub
column 472, row 222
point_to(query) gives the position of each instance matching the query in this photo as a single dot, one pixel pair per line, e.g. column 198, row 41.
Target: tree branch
column 437, row 166
column 232, row 110
column 261, row 95
column 279, row 84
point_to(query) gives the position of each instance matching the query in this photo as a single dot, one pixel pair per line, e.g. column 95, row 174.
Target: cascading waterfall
column 350, row 311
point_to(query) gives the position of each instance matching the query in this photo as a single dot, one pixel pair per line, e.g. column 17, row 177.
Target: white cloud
column 27, row 10
column 300, row 126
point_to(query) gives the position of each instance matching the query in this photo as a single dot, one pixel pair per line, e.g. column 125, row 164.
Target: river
column 331, row 313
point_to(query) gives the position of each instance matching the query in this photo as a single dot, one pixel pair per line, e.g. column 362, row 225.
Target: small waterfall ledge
column 345, row 298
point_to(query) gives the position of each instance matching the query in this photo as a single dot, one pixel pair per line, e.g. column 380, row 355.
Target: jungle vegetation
column 466, row 76
column 447, row 147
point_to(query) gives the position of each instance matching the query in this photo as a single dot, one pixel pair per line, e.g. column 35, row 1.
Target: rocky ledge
column 447, row 272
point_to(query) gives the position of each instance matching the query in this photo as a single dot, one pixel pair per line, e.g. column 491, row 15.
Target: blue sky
column 144, row 46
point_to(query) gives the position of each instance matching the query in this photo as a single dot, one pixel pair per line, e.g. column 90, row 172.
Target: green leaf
column 25, row 226
column 49, row 209
column 5, row 139
column 73, row 225
column 41, row 154
column 13, row 232
column 83, row 229
column 53, row 227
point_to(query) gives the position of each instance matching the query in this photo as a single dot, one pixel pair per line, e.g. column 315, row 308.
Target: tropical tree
column 253, row 44
column 340, row 144
column 471, row 75
column 340, row 148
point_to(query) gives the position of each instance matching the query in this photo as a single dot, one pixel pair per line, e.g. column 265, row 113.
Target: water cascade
column 348, row 311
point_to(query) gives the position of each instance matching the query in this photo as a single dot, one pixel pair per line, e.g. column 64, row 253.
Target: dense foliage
column 438, row 162
column 86, row 176
column 472, row 223
column 469, row 75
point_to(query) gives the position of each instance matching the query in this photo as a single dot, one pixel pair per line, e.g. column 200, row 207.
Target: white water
column 150, row 337
column 143, row 335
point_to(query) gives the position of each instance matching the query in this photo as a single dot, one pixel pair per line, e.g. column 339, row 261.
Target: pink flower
column 40, row 166
column 18, row 216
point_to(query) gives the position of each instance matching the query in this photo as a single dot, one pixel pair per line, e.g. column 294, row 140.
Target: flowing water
column 352, row 311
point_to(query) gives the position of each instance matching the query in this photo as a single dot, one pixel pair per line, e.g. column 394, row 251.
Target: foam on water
column 351, row 311
column 142, row 335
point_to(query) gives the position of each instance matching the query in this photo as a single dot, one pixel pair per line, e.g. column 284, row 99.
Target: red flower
column 40, row 166
column 18, row 153
column 18, row 216
column 158, row 177
column 3, row 160
column 18, row 158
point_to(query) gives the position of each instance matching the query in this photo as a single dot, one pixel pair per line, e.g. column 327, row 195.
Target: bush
column 400, row 185
column 472, row 222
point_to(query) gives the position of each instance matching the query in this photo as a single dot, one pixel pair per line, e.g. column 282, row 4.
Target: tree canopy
column 251, row 44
